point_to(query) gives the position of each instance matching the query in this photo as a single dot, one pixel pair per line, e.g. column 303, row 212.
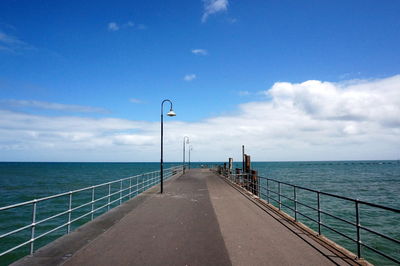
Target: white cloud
column 113, row 26
column 9, row 40
column 135, row 100
column 232, row 20
column 312, row 120
column 244, row 93
column 212, row 7
column 11, row 43
column 129, row 24
column 363, row 100
column 189, row 77
column 199, row 52
column 51, row 106
column 141, row 27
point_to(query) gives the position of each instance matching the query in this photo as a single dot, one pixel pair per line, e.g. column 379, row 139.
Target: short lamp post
column 185, row 141
column 170, row 113
column 190, row 148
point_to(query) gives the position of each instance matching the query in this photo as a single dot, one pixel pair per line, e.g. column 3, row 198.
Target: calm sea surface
column 372, row 181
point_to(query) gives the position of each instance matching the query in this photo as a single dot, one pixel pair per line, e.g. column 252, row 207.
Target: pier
column 200, row 219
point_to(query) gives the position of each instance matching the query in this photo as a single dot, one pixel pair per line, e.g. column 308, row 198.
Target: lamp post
column 170, row 113
column 190, row 148
column 187, row 142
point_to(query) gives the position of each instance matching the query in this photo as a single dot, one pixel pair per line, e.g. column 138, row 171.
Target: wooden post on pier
column 225, row 169
column 238, row 179
column 247, row 163
column 249, row 177
column 254, row 182
column 246, row 171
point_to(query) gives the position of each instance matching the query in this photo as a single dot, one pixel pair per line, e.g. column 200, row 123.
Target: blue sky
column 67, row 62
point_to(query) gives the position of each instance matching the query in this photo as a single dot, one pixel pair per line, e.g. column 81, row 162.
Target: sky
column 290, row 80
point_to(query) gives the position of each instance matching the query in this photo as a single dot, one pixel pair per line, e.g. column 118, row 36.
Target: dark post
column 162, row 150
column 279, row 195
column 319, row 212
column 185, row 138
column 254, row 181
column 247, row 163
column 224, row 168
column 237, row 180
column 295, row 203
column 243, row 158
column 246, row 171
column 170, row 113
column 358, row 230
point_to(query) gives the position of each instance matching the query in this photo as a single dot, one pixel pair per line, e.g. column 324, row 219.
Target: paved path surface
column 178, row 227
column 199, row 220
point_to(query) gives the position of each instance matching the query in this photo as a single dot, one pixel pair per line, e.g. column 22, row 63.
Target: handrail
column 261, row 187
column 142, row 183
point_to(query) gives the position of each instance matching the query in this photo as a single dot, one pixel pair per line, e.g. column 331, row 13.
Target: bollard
column 237, row 179
column 246, row 172
column 225, row 169
column 254, row 182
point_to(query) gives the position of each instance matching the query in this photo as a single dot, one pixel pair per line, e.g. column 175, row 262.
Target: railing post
column 92, row 202
column 69, row 212
column 150, row 179
column 267, row 191
column 295, row 203
column 33, row 225
column 137, row 185
column 142, row 183
column 279, row 195
column 358, row 230
column 319, row 212
column 109, row 195
column 130, row 187
column 120, row 192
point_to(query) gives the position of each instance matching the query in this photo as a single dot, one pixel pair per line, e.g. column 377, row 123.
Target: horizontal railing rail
column 267, row 188
column 137, row 184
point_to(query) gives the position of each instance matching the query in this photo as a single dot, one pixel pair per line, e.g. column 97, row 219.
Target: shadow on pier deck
column 199, row 220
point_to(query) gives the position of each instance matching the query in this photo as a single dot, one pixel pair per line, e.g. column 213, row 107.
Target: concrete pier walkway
column 199, row 220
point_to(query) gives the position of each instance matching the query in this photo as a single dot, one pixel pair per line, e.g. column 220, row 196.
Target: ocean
column 372, row 181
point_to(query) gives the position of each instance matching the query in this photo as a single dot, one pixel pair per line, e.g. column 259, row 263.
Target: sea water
column 373, row 181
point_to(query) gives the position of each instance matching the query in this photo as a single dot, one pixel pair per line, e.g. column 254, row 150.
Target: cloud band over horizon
column 312, row 120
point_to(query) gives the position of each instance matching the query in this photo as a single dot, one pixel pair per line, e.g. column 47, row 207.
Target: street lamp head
column 171, row 113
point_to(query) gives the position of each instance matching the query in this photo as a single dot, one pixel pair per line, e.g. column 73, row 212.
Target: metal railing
column 270, row 190
column 127, row 187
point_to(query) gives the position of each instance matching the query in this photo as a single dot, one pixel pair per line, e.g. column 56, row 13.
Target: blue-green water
column 373, row 181
column 20, row 182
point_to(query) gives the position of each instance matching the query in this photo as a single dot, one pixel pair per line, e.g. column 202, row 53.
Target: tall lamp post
column 170, row 113
column 187, row 142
